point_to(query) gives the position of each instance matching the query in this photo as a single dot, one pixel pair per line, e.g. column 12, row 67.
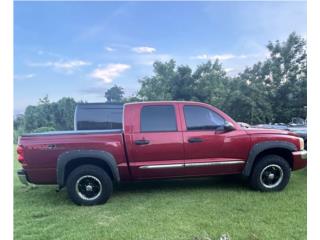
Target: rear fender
column 69, row 156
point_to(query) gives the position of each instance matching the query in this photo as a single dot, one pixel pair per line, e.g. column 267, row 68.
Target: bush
column 16, row 134
column 44, row 129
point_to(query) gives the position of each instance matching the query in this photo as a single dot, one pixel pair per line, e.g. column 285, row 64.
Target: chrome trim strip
column 162, row 166
column 187, row 165
column 213, row 163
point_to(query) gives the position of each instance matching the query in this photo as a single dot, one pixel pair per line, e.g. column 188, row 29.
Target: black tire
column 270, row 173
column 89, row 185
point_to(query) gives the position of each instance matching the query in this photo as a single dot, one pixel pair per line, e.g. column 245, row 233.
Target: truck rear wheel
column 271, row 173
column 89, row 185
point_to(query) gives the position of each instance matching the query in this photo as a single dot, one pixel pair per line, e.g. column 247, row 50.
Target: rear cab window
column 98, row 117
column 158, row 118
column 198, row 118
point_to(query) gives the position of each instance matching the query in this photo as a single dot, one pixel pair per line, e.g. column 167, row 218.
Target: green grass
column 176, row 209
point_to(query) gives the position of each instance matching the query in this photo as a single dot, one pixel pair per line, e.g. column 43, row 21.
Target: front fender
column 262, row 146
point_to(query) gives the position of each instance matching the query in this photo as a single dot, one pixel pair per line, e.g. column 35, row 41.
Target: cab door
column 209, row 150
column 156, row 144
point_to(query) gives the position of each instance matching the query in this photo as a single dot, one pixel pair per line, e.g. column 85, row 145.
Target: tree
column 273, row 90
column 170, row 82
column 255, row 100
column 64, row 113
column 158, row 86
column 52, row 115
column 288, row 75
column 211, row 84
column 18, row 122
column 114, row 94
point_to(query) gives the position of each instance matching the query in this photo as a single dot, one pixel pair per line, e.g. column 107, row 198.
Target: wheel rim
column 88, row 187
column 271, row 176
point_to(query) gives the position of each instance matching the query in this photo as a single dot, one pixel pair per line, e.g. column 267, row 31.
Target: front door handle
column 142, row 142
column 195, row 140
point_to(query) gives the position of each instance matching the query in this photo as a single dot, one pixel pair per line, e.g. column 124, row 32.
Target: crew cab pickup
column 159, row 140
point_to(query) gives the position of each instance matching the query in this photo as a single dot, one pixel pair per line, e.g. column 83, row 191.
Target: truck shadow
column 228, row 182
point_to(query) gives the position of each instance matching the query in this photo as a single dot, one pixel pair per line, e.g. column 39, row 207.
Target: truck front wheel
column 271, row 173
column 89, row 185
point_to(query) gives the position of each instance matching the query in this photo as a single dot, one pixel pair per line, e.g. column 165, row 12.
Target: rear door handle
column 142, row 142
column 195, row 140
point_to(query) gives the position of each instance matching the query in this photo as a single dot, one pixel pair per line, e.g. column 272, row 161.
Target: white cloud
column 25, row 76
column 214, row 57
column 229, row 70
column 67, row 66
column 143, row 49
column 109, row 72
column 109, row 49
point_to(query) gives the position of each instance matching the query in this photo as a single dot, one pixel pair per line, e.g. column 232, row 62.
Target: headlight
column 301, row 143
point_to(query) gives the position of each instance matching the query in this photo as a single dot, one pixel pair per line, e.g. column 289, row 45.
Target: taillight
column 20, row 153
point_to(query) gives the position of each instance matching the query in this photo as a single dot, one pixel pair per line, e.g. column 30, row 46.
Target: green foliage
column 274, row 90
column 114, row 94
column 16, row 134
column 18, row 122
column 64, row 113
column 170, row 82
column 51, row 115
column 44, row 129
column 158, row 87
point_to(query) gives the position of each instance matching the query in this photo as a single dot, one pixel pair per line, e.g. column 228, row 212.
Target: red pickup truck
column 159, row 140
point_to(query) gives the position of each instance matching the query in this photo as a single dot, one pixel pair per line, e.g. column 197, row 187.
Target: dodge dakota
column 159, row 140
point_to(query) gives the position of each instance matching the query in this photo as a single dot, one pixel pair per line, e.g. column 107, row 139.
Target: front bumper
column 299, row 159
column 23, row 177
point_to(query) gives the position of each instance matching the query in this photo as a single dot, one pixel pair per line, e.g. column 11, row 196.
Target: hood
column 252, row 131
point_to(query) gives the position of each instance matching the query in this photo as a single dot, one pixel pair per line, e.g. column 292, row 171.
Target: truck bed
column 73, row 132
column 41, row 150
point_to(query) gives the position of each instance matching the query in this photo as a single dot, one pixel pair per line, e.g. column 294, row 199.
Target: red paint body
column 165, row 148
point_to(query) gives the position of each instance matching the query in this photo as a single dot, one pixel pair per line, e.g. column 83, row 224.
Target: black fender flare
column 66, row 157
column 262, row 146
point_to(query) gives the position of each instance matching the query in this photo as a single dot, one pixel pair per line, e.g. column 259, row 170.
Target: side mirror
column 226, row 127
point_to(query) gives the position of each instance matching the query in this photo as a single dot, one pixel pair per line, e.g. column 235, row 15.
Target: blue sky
column 79, row 49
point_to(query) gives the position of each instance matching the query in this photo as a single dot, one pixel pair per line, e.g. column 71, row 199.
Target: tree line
column 272, row 90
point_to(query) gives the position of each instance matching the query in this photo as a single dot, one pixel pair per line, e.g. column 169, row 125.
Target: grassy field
column 191, row 209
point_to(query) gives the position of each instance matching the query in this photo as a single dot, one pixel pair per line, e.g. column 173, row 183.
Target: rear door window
column 160, row 118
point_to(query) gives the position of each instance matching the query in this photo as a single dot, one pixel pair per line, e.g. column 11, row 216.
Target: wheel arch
column 69, row 160
column 259, row 150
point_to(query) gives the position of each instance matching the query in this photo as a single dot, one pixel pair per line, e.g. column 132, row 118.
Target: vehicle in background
column 244, row 125
column 158, row 140
column 298, row 122
column 301, row 132
column 297, row 125
column 280, row 126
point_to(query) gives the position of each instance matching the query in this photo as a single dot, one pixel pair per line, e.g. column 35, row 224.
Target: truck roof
column 170, row 101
